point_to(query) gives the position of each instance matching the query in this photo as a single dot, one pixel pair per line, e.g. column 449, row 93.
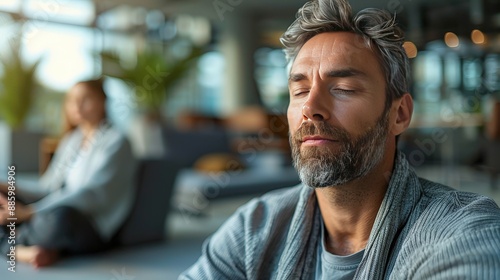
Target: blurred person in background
column 86, row 192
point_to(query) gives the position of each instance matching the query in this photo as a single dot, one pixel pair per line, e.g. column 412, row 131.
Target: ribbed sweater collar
column 403, row 193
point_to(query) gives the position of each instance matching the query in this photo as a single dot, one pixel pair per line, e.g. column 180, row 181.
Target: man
column 361, row 211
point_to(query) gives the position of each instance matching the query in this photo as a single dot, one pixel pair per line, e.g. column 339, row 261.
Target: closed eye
column 300, row 92
column 342, row 91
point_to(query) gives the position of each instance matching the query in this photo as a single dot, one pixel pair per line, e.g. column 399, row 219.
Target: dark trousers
column 63, row 228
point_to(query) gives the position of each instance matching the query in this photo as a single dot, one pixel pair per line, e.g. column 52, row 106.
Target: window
column 272, row 78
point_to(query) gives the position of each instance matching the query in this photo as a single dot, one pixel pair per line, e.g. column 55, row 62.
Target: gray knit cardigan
column 423, row 230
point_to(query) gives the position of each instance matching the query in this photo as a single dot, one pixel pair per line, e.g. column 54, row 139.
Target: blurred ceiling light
column 477, row 37
column 411, row 49
column 451, row 39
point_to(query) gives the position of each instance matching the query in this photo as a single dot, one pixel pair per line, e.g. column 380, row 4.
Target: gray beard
column 321, row 167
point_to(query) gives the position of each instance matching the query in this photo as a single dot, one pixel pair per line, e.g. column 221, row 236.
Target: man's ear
column 403, row 108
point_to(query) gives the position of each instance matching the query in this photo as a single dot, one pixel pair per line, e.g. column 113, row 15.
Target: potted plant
column 17, row 86
column 151, row 77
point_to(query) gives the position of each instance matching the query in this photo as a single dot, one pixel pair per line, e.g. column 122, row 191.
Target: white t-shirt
column 98, row 181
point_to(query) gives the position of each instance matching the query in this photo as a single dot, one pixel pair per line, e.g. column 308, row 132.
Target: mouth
column 317, row 140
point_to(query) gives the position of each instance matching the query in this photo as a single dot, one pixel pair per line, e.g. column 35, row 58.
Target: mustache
column 320, row 128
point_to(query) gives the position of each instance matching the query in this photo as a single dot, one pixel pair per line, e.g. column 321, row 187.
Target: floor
column 186, row 234
column 165, row 260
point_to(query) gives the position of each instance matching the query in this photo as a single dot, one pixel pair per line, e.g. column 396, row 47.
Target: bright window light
column 10, row 5
column 66, row 54
column 80, row 12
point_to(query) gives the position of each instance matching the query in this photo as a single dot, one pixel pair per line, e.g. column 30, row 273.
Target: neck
column 349, row 210
column 88, row 129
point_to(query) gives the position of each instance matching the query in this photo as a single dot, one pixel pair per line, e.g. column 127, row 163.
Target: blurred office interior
column 203, row 83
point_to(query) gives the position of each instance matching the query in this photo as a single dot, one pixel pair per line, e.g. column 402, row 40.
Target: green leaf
column 152, row 77
column 17, row 86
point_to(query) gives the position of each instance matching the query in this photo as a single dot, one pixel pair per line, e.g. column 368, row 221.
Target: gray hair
column 377, row 27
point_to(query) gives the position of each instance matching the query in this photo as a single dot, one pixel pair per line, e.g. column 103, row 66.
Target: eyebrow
column 340, row 73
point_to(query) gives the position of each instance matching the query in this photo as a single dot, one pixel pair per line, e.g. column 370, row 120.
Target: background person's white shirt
column 98, row 181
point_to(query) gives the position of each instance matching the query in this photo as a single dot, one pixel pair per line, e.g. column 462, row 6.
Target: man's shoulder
column 446, row 200
column 267, row 215
column 275, row 202
column 448, row 212
column 455, row 234
column 261, row 223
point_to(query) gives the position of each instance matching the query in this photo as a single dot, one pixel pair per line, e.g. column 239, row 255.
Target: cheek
column 294, row 115
column 72, row 115
column 356, row 116
column 92, row 107
column 72, row 109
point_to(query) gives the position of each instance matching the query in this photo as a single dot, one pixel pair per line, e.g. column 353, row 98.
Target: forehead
column 340, row 49
column 81, row 92
column 81, row 89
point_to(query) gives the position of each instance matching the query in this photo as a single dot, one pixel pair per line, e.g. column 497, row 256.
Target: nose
column 316, row 106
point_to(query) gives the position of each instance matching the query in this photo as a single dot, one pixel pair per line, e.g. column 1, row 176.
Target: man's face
column 338, row 127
